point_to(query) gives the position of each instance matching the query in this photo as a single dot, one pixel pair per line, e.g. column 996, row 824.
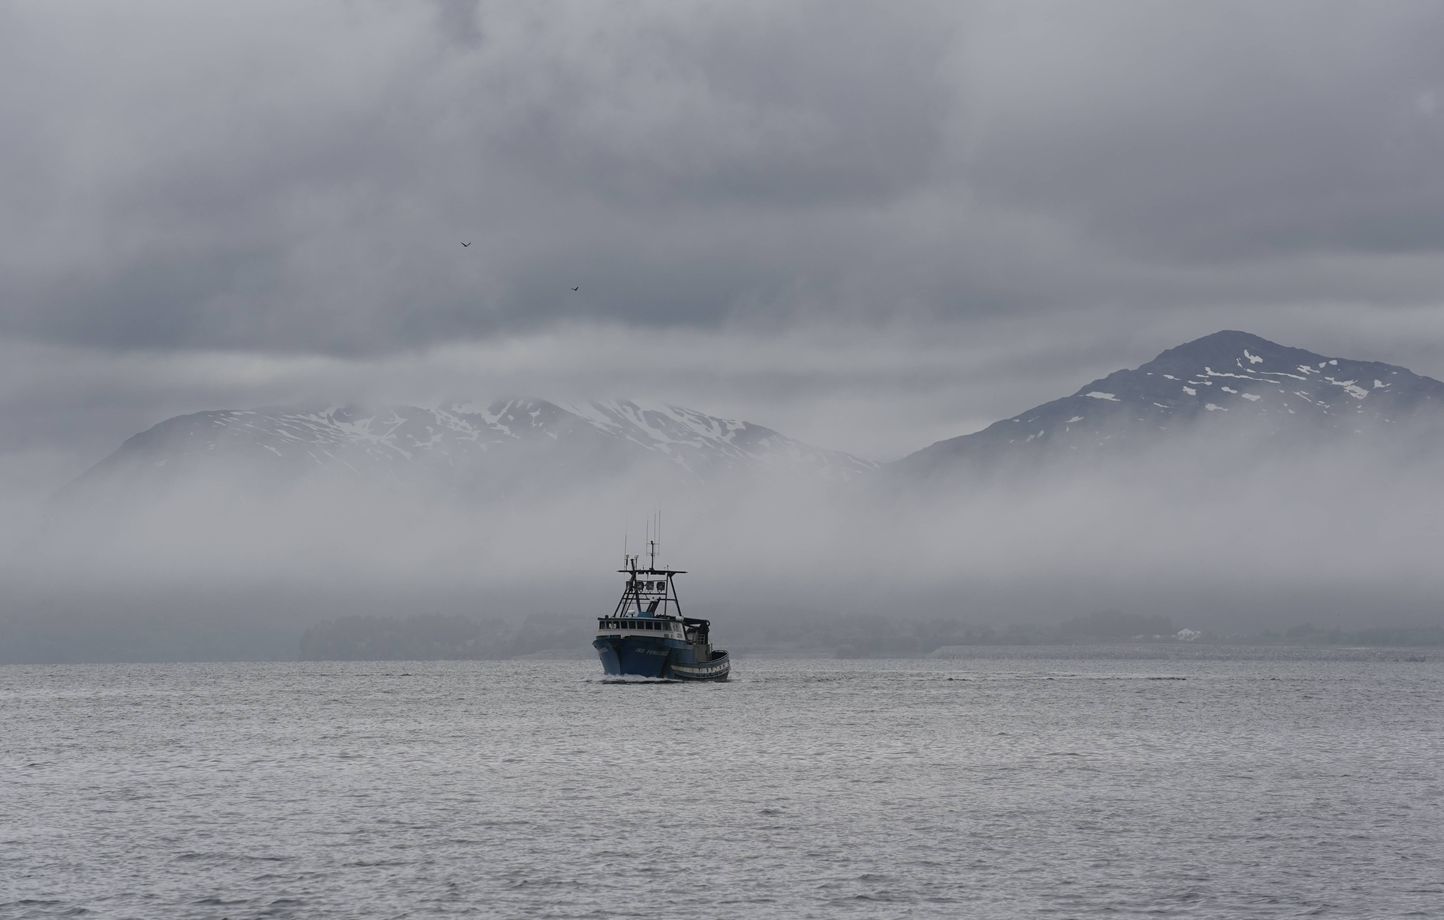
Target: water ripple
column 995, row 787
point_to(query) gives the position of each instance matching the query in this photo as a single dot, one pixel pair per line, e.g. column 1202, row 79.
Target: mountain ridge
column 1229, row 379
column 1277, row 388
column 464, row 438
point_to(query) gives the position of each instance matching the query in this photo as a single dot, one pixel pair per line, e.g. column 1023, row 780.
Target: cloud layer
column 928, row 216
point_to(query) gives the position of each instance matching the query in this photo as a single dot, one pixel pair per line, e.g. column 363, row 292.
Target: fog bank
column 1210, row 535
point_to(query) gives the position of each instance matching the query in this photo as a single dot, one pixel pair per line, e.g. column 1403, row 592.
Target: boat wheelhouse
column 647, row 635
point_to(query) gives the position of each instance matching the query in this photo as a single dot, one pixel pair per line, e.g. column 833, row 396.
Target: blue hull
column 633, row 656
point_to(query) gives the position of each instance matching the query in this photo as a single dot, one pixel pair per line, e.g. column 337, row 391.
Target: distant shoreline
column 1101, row 651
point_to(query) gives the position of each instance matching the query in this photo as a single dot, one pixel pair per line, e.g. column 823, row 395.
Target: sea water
column 1025, row 783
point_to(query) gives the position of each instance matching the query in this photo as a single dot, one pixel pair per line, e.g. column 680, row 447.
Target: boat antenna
column 656, row 537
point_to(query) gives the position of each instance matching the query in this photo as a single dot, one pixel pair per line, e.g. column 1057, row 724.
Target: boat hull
column 630, row 656
column 718, row 667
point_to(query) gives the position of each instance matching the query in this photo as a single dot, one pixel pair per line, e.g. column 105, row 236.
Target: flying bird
column 464, row 245
column 577, row 288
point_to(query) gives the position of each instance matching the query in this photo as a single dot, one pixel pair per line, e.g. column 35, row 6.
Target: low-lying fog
column 1201, row 534
column 866, row 226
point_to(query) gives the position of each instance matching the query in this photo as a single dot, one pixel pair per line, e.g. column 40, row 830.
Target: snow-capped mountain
column 1228, row 382
column 1228, row 379
column 465, row 444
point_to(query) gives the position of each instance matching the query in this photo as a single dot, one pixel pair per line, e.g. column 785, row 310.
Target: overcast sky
column 868, row 225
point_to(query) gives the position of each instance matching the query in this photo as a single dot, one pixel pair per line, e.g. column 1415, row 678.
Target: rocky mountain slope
column 1228, row 384
column 465, row 445
column 1233, row 381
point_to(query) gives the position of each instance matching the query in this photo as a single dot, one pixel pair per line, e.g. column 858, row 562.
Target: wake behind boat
column 647, row 635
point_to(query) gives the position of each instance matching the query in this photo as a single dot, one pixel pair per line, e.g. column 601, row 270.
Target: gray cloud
column 964, row 208
column 1233, row 130
column 215, row 182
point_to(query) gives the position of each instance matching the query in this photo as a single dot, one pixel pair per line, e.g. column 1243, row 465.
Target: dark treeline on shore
column 438, row 637
column 454, row 637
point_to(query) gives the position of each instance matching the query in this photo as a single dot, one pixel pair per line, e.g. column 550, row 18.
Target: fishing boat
column 647, row 635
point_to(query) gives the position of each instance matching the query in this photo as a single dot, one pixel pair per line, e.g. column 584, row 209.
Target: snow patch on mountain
column 469, row 440
column 1250, row 380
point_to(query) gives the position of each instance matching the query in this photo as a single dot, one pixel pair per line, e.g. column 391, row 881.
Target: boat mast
column 659, row 592
column 636, row 587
